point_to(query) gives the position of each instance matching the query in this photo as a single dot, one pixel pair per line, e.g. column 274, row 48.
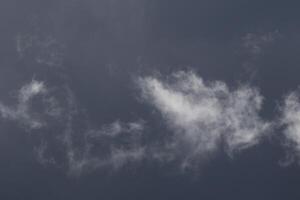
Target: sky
column 140, row 99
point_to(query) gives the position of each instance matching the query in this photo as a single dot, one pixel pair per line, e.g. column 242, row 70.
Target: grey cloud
column 84, row 147
column 202, row 115
column 44, row 50
column 253, row 47
column 116, row 128
column 290, row 119
column 255, row 43
column 40, row 152
column 113, row 145
column 64, row 125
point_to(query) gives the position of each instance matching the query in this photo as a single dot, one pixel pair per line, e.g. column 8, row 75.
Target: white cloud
column 21, row 112
column 203, row 115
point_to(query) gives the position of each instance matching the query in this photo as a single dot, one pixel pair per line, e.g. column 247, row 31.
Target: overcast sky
column 149, row 99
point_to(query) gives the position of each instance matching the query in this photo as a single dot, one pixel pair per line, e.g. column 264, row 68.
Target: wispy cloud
column 22, row 112
column 63, row 125
column 83, row 147
column 111, row 146
column 290, row 119
column 203, row 115
column 255, row 43
column 44, row 50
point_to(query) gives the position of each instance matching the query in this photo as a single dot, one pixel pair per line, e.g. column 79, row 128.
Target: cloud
column 255, row 43
column 40, row 152
column 290, row 119
column 111, row 146
column 203, row 115
column 82, row 147
column 63, row 126
column 44, row 50
column 203, row 118
column 22, row 112
column 116, row 128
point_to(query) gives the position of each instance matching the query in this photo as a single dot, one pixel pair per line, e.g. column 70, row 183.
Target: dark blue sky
column 97, row 99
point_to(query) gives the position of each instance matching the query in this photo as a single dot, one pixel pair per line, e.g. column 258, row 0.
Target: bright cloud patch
column 21, row 112
column 203, row 115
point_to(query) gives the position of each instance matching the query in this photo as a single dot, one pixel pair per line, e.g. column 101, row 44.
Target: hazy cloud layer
column 205, row 115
